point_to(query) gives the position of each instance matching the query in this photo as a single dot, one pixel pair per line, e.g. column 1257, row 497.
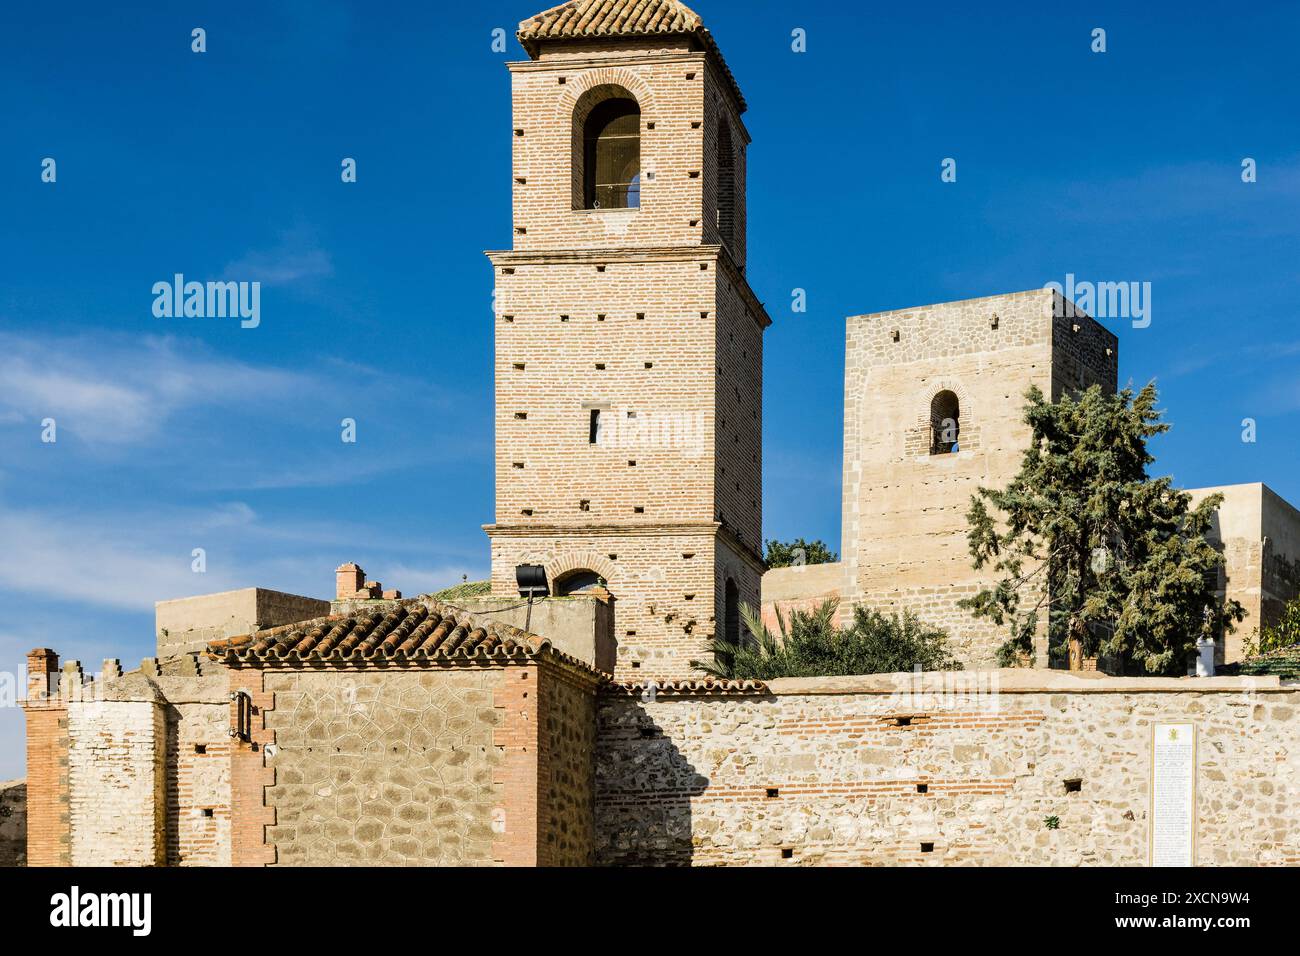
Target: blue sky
column 177, row 433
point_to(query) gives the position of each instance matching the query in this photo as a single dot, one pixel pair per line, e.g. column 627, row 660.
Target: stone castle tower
column 933, row 409
column 629, row 344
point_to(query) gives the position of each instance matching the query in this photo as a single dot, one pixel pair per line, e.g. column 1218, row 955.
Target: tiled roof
column 703, row 687
column 589, row 19
column 415, row 630
column 1283, row 662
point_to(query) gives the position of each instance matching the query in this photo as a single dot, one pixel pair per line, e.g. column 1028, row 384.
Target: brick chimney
column 41, row 663
column 348, row 580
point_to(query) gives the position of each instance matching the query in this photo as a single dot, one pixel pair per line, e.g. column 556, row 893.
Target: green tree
column 1116, row 562
column 784, row 554
column 1273, row 637
column 808, row 644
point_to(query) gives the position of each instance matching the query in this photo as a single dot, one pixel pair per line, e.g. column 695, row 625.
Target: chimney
column 41, row 664
column 348, row 579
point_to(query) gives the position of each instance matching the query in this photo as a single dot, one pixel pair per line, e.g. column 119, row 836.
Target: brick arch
column 936, row 386
column 569, row 561
column 618, row 77
column 581, row 95
column 924, row 395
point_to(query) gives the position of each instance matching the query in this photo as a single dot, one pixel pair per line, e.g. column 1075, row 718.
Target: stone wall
column 13, row 823
column 566, row 772
column 1258, row 534
column 904, row 516
column 683, row 99
column 383, row 768
column 580, row 625
column 802, row 588
column 867, row 771
column 185, row 625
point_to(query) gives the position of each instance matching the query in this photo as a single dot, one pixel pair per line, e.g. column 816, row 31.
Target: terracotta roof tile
column 1284, row 662
column 589, row 19
column 415, row 630
column 703, row 687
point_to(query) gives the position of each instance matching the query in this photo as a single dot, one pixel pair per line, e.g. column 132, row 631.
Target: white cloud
column 121, row 390
column 412, row 580
column 81, row 558
column 297, row 257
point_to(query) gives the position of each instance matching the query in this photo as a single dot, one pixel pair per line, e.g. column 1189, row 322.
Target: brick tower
column 629, row 344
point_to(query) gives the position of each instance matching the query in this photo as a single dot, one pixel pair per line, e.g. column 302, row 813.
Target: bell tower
column 629, row 344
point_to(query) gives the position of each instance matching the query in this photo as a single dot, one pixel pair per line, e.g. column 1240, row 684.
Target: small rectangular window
column 593, row 430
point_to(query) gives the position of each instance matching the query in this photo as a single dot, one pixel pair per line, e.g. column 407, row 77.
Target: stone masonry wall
column 566, row 772
column 383, row 768
column 904, row 524
column 13, row 823
column 851, row 771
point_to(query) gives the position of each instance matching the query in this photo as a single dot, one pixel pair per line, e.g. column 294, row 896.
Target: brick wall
column 678, row 91
column 645, row 315
column 116, row 782
column 516, row 740
column 128, row 769
column 48, row 837
column 853, row 771
column 198, row 783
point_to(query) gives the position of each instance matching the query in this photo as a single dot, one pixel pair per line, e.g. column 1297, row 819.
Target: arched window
column 731, row 613
column 945, row 423
column 578, row 582
column 611, row 155
column 726, row 184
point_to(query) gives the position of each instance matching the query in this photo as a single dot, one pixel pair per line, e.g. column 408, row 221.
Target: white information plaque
column 1173, row 795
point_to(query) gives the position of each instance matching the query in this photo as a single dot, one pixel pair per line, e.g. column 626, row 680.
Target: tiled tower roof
column 592, row 19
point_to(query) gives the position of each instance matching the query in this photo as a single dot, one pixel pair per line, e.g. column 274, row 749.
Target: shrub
column 808, row 644
column 1284, row 633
